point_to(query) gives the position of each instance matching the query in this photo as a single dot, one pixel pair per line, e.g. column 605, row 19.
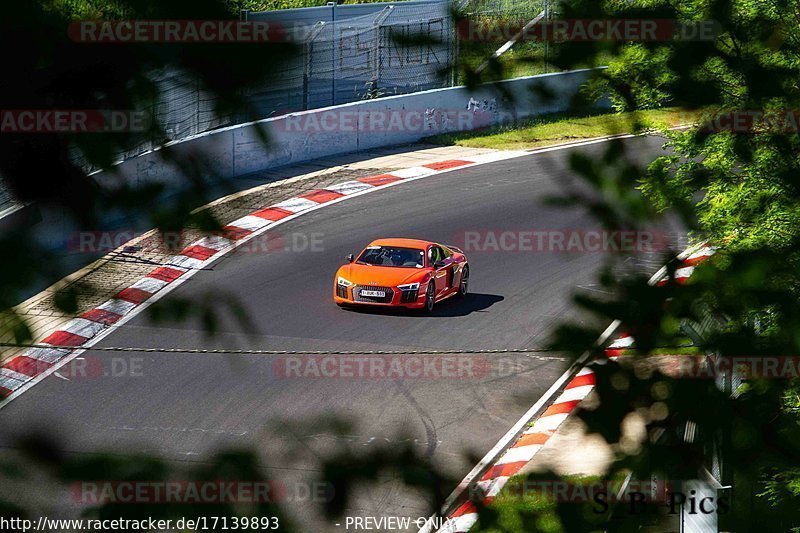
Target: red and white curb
column 34, row 364
column 533, row 439
column 689, row 260
column 529, row 443
column 22, row 372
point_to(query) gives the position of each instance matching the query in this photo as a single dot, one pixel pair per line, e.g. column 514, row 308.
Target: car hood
column 381, row 275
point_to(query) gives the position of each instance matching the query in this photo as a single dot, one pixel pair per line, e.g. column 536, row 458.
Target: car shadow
column 452, row 307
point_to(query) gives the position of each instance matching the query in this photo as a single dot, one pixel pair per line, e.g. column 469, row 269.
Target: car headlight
column 343, row 282
column 409, row 287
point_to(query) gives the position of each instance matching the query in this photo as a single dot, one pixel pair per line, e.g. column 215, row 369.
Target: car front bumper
column 350, row 296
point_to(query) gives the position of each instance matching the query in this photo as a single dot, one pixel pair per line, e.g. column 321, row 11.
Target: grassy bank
column 555, row 129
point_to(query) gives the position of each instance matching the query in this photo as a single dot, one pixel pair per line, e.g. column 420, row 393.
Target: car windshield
column 392, row 256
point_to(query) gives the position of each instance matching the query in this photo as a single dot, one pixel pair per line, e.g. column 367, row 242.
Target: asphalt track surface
column 186, row 406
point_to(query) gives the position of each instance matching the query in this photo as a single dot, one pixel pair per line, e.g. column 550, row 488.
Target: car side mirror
column 438, row 264
column 349, row 258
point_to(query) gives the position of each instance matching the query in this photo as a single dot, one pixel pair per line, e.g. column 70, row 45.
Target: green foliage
column 88, row 9
column 648, row 75
column 737, row 187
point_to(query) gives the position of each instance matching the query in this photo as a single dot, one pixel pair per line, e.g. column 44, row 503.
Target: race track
column 184, row 406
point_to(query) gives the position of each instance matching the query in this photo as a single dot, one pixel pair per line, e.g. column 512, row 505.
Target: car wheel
column 463, row 284
column 430, row 297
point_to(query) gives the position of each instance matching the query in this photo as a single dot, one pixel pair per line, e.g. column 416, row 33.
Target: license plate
column 374, row 294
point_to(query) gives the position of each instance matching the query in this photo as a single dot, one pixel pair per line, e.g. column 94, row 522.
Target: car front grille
column 341, row 291
column 409, row 296
column 372, row 299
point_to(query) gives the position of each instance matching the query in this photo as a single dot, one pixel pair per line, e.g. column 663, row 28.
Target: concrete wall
column 393, row 120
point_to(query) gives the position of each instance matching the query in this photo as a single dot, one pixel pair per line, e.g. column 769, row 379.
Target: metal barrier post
column 334, row 47
column 544, row 34
column 308, row 47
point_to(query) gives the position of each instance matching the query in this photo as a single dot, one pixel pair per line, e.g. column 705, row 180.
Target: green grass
column 555, row 129
column 515, row 499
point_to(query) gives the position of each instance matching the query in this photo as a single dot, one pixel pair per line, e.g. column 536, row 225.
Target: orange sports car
column 402, row 273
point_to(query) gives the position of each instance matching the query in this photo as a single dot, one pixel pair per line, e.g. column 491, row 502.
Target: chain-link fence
column 499, row 27
column 346, row 53
column 354, row 52
column 181, row 107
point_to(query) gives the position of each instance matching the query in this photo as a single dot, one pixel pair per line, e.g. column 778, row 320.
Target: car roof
column 404, row 243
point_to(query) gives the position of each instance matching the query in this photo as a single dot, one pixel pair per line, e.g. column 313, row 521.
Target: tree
column 736, row 185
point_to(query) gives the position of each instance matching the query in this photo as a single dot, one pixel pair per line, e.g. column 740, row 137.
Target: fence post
column 377, row 57
column 376, row 60
column 456, row 50
column 334, row 47
column 308, row 71
column 308, row 48
column 544, row 34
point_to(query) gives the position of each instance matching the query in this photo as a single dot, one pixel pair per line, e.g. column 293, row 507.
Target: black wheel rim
column 464, row 281
column 429, row 300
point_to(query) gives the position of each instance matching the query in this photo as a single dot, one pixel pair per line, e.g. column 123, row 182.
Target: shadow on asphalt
column 472, row 303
